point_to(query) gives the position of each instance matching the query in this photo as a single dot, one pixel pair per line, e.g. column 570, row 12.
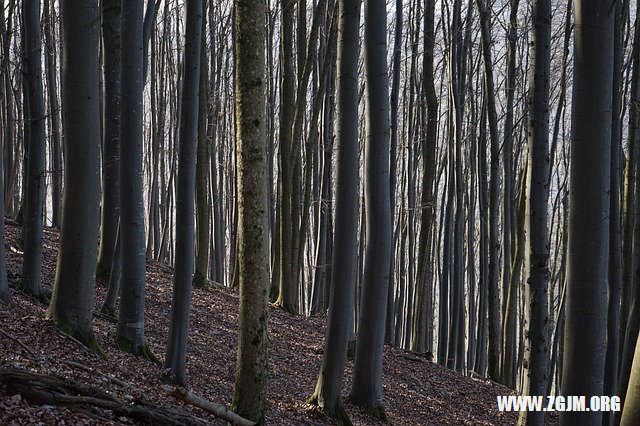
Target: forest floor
column 416, row 391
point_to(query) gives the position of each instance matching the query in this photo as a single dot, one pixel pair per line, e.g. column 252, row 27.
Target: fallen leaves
column 416, row 391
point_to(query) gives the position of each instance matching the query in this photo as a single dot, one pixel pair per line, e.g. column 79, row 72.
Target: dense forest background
column 457, row 179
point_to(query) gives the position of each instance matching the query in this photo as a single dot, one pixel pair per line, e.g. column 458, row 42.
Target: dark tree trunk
column 31, row 279
column 589, row 185
column 73, row 292
column 130, row 332
column 366, row 390
column 176, row 356
column 329, row 385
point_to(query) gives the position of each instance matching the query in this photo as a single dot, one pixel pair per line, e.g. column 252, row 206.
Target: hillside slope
column 416, row 391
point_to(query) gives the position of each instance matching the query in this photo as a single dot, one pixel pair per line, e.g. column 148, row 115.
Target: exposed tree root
column 341, row 414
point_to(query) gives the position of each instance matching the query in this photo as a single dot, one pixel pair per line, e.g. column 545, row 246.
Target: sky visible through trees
column 453, row 178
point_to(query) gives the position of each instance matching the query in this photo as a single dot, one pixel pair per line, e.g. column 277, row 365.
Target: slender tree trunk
column 54, row 105
column 73, row 292
column 393, row 134
column 586, row 309
column 31, row 279
column 110, row 211
column 536, row 318
column 287, row 109
column 481, row 353
column 511, row 315
column 628, row 208
column 494, row 184
column 176, row 355
column 203, row 200
column 329, row 385
column 250, row 392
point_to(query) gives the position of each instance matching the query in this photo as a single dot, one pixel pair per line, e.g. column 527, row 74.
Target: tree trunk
column 31, row 279
column 586, row 309
column 494, row 184
column 73, row 292
column 366, row 390
column 536, row 320
column 130, row 331
column 203, row 200
column 615, row 253
column 176, row 356
column 250, row 392
column 329, row 385
column 286, row 297
column 110, row 211
column 54, row 105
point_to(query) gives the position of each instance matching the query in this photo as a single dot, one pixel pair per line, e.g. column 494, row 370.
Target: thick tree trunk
column 73, row 292
column 130, row 331
column 588, row 245
column 250, row 392
column 329, row 385
column 536, row 318
column 615, row 253
column 366, row 390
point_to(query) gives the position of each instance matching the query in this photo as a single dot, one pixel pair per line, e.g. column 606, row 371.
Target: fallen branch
column 19, row 342
column 93, row 371
column 213, row 408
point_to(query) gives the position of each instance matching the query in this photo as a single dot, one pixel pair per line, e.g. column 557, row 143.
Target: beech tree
column 31, row 279
column 175, row 359
column 537, row 247
column 588, row 244
column 366, row 390
column 252, row 374
column 130, row 332
column 110, row 210
column 73, row 291
column 328, row 389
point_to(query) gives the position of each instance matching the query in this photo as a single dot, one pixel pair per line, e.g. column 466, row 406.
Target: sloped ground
column 416, row 391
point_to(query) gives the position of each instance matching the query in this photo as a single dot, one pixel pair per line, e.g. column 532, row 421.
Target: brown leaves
column 416, row 391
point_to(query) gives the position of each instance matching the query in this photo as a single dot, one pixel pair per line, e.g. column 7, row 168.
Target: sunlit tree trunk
column 250, row 392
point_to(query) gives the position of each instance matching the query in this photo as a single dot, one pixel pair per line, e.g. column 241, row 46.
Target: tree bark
column 589, row 185
column 176, row 356
column 329, row 385
column 494, row 184
column 130, row 331
column 366, row 390
column 31, row 278
column 73, row 292
column 110, row 211
column 536, row 332
column 250, row 391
